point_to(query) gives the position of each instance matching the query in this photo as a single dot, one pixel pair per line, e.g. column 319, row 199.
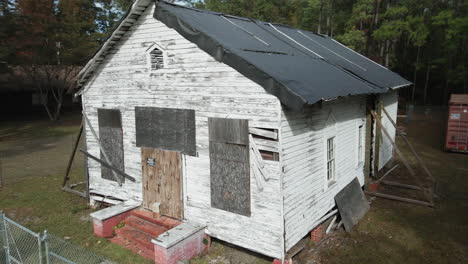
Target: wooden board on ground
column 352, row 204
column 162, row 181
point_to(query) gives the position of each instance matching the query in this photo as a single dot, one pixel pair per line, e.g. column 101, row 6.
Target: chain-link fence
column 19, row 245
column 59, row 251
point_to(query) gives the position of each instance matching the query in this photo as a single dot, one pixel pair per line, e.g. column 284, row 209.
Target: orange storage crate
column 457, row 125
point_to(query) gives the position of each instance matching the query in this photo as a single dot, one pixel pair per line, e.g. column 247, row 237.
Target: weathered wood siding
column 390, row 102
column 307, row 195
column 191, row 79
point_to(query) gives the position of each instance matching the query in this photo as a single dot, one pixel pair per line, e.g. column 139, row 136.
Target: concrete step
column 136, row 237
column 164, row 221
column 142, row 251
column 145, row 226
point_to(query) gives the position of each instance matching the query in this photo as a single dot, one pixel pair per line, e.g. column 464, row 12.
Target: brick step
column 135, row 236
column 145, row 226
column 142, row 251
column 164, row 221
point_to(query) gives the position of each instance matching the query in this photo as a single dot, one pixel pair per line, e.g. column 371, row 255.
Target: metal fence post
column 3, row 230
column 45, row 238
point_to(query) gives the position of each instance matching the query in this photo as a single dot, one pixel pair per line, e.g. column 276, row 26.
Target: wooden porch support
column 427, row 195
column 398, row 198
column 72, row 156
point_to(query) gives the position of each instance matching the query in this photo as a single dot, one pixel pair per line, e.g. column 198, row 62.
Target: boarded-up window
column 111, row 138
column 229, row 165
column 166, row 129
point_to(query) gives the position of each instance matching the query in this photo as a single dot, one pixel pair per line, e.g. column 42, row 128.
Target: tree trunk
column 428, row 72
column 415, row 74
column 387, row 53
column 319, row 27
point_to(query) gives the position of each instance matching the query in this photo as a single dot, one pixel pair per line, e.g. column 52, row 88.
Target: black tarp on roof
column 298, row 67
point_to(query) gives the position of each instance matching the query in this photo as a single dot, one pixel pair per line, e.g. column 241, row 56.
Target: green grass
column 39, row 204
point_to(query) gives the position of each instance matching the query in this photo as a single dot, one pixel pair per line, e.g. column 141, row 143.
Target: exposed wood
column 74, row 192
column 108, row 166
column 388, row 172
column 263, row 133
column 407, row 186
column 258, row 159
column 330, row 226
column 418, row 158
column 368, row 144
column 162, row 181
column 428, row 196
column 103, row 152
column 378, row 137
column 401, row 199
column 72, row 156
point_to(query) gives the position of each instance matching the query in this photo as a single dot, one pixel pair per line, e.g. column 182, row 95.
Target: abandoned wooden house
column 235, row 128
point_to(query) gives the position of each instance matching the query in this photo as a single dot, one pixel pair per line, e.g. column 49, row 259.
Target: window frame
column 148, row 57
column 331, row 159
column 330, row 132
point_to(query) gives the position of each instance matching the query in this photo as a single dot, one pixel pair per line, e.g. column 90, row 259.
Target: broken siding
column 193, row 80
column 307, row 196
column 390, row 102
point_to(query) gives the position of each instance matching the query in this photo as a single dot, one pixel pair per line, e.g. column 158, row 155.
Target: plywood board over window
column 166, row 129
column 229, row 165
column 111, row 139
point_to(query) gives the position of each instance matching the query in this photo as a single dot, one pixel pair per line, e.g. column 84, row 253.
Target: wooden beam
column 418, row 158
column 402, row 185
column 88, row 123
column 74, row 192
column 397, row 198
column 429, row 197
column 107, row 165
column 72, row 156
column 388, row 173
column 378, row 138
column 263, row 133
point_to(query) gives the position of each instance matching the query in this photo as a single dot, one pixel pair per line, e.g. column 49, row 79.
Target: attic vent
column 156, row 59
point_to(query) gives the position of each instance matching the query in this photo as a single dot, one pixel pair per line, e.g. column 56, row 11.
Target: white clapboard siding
column 191, row 79
column 390, row 102
column 307, row 196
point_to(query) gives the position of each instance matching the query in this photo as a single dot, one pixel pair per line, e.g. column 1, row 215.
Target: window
column 156, row 57
column 229, row 165
column 111, row 139
column 331, row 159
column 360, row 145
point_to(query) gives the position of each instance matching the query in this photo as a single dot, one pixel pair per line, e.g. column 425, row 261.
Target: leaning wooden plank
column 397, row 198
column 263, row 133
column 388, row 173
column 418, row 158
column 72, row 156
column 258, row 180
column 74, row 192
column 106, row 157
column 267, row 145
column 429, row 197
column 258, row 158
column 107, row 165
column 407, row 186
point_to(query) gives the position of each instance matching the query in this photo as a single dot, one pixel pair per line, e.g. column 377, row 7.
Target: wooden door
column 162, row 181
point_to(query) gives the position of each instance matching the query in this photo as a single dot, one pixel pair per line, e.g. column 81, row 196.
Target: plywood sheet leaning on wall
column 352, row 204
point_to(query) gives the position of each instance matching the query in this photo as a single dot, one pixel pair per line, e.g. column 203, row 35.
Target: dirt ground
column 33, row 157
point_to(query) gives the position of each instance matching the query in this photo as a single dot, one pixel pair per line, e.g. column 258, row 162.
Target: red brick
column 105, row 228
column 154, row 218
column 373, row 186
column 278, row 261
column 317, row 233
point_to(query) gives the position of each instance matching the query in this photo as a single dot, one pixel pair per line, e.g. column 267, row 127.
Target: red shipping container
column 457, row 125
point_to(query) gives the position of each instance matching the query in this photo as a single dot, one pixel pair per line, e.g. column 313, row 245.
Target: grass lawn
column 34, row 157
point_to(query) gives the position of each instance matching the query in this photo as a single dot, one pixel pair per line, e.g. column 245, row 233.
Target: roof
column 459, row 99
column 299, row 67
